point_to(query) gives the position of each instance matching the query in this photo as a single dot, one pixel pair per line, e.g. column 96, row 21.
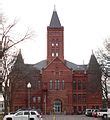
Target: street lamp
column 29, row 94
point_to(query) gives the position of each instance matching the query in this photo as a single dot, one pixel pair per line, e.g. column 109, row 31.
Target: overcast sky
column 86, row 25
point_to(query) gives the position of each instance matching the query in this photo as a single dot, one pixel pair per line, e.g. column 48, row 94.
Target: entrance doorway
column 57, row 106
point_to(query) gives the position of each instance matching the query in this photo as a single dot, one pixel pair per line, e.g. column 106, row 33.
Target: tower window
column 52, row 44
column 53, row 54
column 56, row 44
column 56, row 54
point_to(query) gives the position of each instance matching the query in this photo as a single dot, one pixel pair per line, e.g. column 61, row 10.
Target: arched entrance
column 57, row 106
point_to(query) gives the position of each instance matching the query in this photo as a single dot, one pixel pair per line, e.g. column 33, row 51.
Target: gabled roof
column 74, row 66
column 40, row 64
column 57, row 58
column 70, row 65
column 55, row 22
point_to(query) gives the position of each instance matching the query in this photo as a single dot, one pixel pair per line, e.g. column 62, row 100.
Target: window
column 63, row 85
column 52, row 44
column 26, row 113
column 39, row 84
column 33, row 113
column 51, row 84
column 56, row 54
column 74, row 84
column 34, row 99
column 79, row 85
column 74, row 98
column 79, row 98
column 53, row 54
column 19, row 113
column 57, row 106
column 57, row 84
column 39, row 99
column 56, row 44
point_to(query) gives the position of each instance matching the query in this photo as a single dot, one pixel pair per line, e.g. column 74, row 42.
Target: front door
column 57, row 106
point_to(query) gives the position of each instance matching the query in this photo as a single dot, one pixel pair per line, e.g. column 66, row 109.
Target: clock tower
column 55, row 39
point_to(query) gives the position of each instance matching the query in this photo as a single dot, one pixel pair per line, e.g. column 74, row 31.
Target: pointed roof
column 19, row 57
column 19, row 62
column 93, row 64
column 57, row 59
column 55, row 22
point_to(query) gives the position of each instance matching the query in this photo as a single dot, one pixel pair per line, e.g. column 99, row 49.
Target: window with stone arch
column 57, row 84
column 51, row 85
column 57, row 106
column 63, row 84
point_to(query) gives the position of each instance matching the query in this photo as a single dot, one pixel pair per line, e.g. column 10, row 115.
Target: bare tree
column 103, row 55
column 9, row 53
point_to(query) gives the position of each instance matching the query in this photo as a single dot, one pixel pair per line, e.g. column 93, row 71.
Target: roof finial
column 83, row 62
column 92, row 52
column 54, row 7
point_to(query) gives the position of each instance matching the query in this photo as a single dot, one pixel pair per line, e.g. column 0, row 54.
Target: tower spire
column 54, row 7
column 55, row 22
column 55, row 38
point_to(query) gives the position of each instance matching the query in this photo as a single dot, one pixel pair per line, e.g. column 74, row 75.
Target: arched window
column 79, row 85
column 53, row 54
column 52, row 44
column 74, row 84
column 57, row 106
column 63, row 84
column 57, row 54
column 57, row 84
column 56, row 44
column 51, row 85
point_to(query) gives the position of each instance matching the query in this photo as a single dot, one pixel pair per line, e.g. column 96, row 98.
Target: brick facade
column 56, row 84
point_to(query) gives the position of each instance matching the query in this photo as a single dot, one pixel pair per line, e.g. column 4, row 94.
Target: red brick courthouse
column 55, row 82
